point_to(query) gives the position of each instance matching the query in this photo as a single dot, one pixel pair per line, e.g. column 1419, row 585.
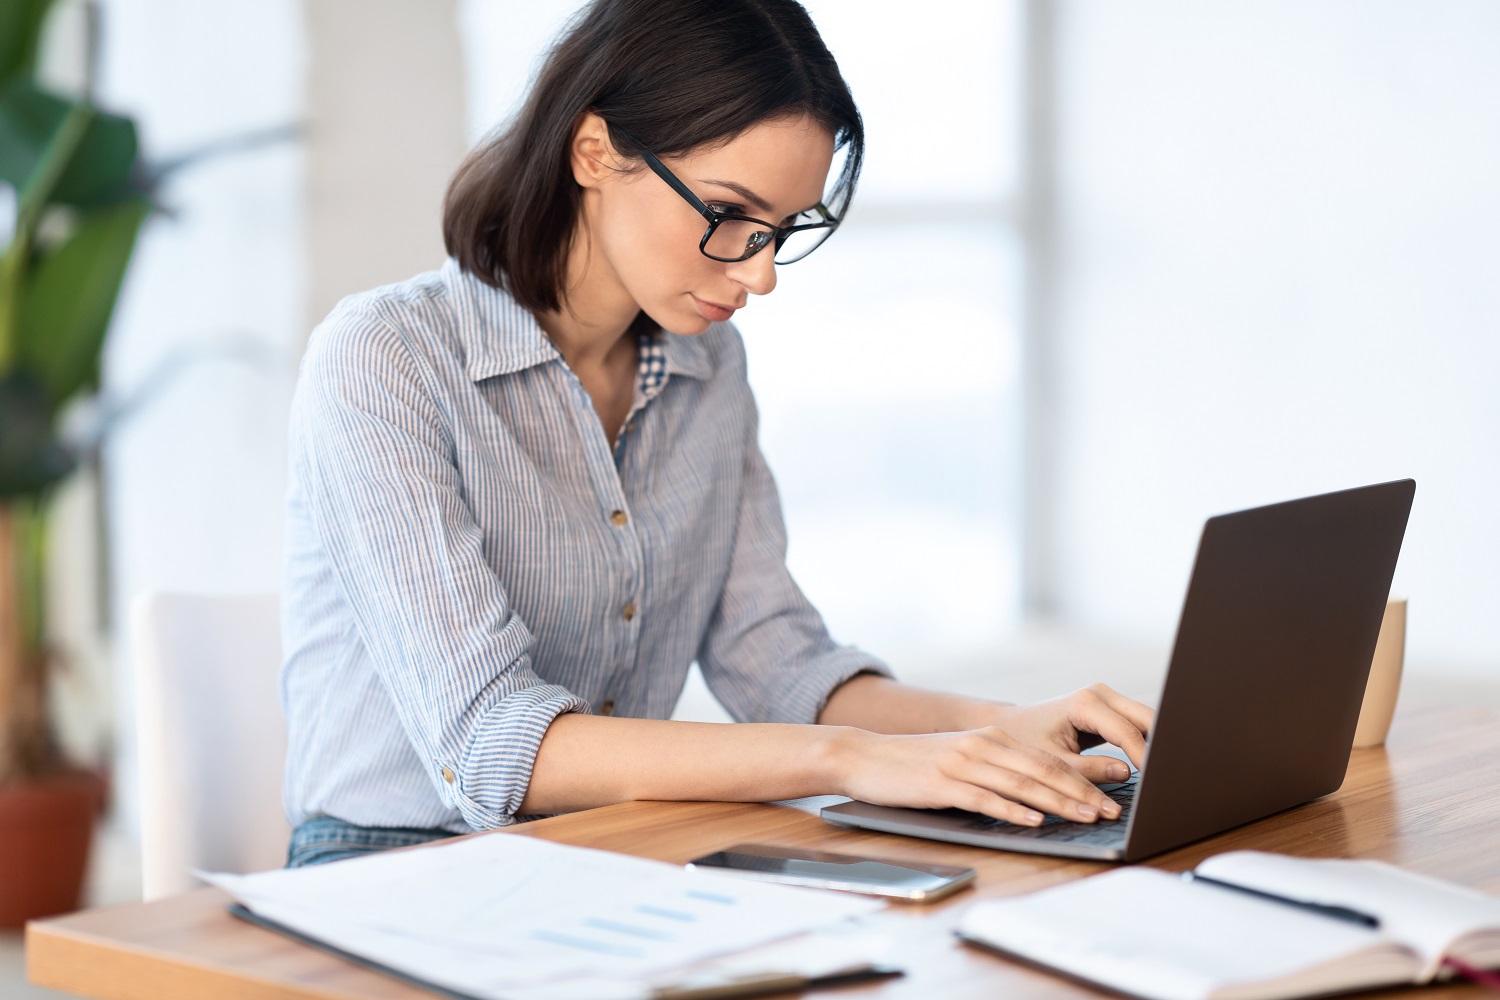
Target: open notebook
column 1159, row 935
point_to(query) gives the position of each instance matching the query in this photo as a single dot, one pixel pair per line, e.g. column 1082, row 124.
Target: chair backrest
column 212, row 738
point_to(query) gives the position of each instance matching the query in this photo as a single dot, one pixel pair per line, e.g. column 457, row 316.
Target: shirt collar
column 500, row 337
column 687, row 355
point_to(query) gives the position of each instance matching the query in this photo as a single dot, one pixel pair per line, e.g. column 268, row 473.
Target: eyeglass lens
column 736, row 239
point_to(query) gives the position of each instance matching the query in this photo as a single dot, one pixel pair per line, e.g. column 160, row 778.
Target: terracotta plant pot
column 46, row 827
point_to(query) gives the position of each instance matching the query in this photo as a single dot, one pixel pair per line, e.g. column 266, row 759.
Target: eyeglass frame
column 780, row 233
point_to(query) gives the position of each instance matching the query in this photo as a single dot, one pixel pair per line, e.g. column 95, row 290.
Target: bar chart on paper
column 489, row 915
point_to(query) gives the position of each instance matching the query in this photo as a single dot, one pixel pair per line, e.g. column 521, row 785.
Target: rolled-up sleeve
column 388, row 504
column 767, row 655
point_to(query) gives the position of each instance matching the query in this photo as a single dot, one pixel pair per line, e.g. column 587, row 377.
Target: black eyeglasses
column 731, row 237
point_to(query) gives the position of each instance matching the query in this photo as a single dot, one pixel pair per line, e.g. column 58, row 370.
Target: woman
column 526, row 492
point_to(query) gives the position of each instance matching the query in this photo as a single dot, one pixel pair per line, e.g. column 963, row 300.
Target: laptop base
column 1103, row 841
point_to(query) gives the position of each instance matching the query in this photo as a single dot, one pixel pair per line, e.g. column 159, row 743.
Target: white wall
column 1279, row 276
column 195, row 480
column 385, row 130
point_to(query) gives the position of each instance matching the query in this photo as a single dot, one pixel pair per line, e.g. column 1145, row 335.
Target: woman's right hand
column 984, row 771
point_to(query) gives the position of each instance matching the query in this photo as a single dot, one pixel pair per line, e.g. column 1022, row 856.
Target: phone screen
column 904, row 880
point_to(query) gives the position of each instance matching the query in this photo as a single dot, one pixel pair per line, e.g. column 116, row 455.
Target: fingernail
column 1119, row 772
column 1111, row 809
column 1034, row 817
column 1087, row 812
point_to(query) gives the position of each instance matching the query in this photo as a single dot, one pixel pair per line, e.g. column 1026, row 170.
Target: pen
column 765, row 983
column 1343, row 913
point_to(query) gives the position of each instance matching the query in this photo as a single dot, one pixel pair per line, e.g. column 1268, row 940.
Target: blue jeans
column 323, row 839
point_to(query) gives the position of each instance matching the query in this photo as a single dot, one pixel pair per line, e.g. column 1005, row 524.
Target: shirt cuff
column 814, row 683
column 490, row 783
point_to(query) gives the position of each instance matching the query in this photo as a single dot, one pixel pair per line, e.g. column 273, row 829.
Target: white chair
column 211, row 736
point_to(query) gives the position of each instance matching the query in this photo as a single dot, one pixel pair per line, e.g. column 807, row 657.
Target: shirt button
column 448, row 775
column 618, row 519
column 629, row 611
column 608, row 708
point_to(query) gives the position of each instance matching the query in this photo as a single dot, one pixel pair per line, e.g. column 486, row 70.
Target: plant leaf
column 102, row 167
column 31, row 457
column 20, row 33
column 67, row 303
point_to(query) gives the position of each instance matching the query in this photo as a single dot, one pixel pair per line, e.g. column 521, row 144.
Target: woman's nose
column 757, row 274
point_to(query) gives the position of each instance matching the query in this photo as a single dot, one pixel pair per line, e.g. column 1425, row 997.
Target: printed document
column 492, row 916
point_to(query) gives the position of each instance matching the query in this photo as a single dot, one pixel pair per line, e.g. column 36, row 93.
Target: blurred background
column 1113, row 268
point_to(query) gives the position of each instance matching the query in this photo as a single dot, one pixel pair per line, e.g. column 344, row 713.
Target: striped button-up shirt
column 468, row 556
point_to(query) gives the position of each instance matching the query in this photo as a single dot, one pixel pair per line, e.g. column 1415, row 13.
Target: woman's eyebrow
column 751, row 196
column 743, row 192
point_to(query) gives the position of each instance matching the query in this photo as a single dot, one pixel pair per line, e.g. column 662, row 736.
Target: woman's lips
column 710, row 311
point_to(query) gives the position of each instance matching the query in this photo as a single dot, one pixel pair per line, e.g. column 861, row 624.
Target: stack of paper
column 514, row 916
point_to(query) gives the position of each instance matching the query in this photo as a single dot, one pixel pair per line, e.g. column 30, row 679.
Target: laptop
column 1262, row 693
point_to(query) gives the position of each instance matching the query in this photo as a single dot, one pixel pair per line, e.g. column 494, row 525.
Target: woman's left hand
column 1064, row 726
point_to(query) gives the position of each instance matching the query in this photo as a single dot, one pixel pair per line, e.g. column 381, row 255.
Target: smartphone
column 793, row 866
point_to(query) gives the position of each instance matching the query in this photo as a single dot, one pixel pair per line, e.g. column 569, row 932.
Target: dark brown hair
column 673, row 74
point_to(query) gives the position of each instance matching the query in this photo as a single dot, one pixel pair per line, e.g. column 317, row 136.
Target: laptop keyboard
column 1105, row 832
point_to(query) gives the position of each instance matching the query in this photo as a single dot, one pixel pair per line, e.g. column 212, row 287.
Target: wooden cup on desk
column 1385, row 677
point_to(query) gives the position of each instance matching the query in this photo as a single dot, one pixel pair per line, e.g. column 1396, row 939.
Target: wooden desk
column 1428, row 802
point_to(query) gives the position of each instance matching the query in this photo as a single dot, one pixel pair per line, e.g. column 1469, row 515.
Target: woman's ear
column 592, row 155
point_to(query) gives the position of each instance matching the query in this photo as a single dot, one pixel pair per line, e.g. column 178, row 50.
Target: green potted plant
column 82, row 192
column 79, row 203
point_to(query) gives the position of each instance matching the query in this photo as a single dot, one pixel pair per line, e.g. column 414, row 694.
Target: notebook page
column 1426, row 913
column 1149, row 933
